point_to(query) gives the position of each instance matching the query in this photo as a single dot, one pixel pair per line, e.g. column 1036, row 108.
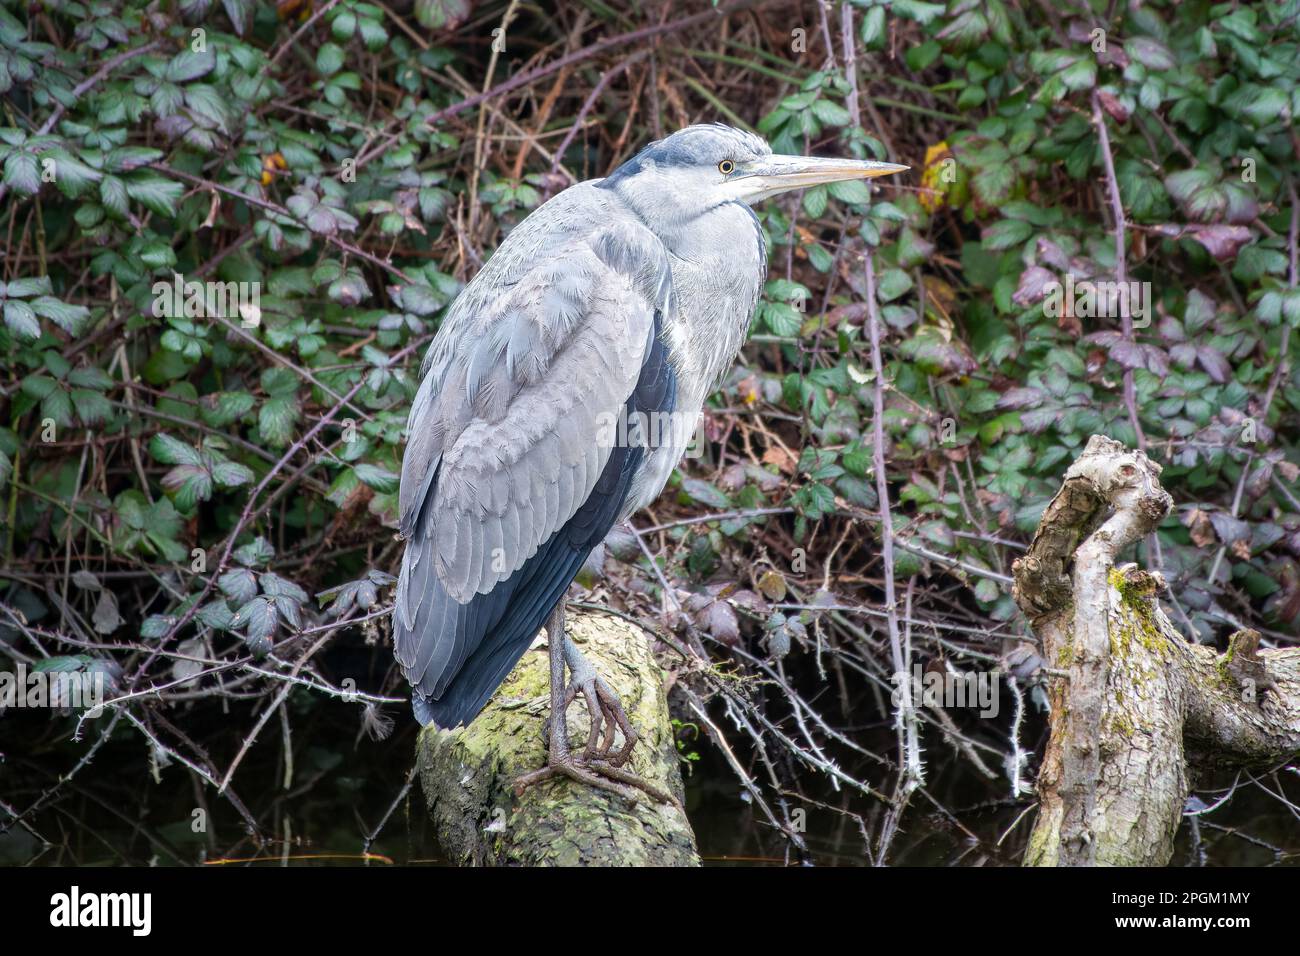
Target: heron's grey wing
column 511, row 438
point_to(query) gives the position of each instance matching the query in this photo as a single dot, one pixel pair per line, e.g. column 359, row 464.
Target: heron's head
column 696, row 169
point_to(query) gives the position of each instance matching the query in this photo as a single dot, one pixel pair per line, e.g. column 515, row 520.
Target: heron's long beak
column 773, row 175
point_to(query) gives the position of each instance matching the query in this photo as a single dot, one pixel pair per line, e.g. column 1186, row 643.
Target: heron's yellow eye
column 726, row 167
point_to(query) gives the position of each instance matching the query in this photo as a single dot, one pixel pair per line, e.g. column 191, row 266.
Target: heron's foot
column 595, row 773
column 604, row 709
column 595, row 766
column 619, row 775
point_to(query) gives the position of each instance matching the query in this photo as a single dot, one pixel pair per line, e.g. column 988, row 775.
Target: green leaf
column 230, row 474
column 851, row 191
column 830, row 113
column 442, row 14
column 173, row 451
column 1152, row 54
column 157, row 255
column 373, row 34
column 238, row 584
column 157, row 626
column 872, row 33
column 189, row 65
column 418, row 299
column 276, row 419
column 893, row 283
column 126, row 158
column 857, row 490
column 377, row 478
column 259, row 619
column 189, row 484
column 856, row 459
column 91, row 406
column 38, row 386
column 1260, row 104
column 155, row 193
column 1006, row 233
column 993, row 183
column 21, row 174
column 329, row 58
column 966, row 30
column 705, row 493
column 112, row 193
column 280, row 382
column 70, row 318
column 71, row 175
column 58, row 406
column 216, row 615
column 814, row 201
column 22, row 288
column 222, row 408
column 21, row 319
column 256, row 552
column 921, row 55
column 208, row 103
column 916, row 10
column 90, row 377
column 240, row 13
column 344, row 26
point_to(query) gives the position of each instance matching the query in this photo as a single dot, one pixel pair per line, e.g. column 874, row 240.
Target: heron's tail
column 456, row 655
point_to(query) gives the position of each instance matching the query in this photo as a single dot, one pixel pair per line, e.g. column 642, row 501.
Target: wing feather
column 506, row 448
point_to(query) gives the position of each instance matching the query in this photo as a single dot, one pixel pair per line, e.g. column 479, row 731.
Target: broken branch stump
column 1136, row 710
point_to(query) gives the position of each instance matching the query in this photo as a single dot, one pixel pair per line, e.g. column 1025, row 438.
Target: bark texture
column 468, row 774
column 1136, row 710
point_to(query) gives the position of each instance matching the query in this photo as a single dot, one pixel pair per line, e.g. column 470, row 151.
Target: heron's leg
column 591, row 769
column 559, row 743
column 559, row 759
column 603, row 706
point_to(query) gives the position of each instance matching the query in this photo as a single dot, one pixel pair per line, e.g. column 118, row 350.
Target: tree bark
column 468, row 774
column 1136, row 711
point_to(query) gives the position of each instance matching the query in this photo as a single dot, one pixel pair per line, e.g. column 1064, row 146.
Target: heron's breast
column 715, row 295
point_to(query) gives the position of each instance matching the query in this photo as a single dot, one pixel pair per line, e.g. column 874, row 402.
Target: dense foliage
column 180, row 481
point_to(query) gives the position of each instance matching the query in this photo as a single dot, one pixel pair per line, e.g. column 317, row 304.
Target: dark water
column 115, row 812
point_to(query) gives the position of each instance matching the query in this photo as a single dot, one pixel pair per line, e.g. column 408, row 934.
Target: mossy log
column 1136, row 710
column 468, row 774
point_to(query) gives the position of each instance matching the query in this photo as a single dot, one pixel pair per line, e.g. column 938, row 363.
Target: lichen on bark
column 468, row 774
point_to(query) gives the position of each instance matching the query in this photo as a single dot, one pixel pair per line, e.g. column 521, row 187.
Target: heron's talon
column 604, row 709
column 607, row 717
column 596, row 767
column 569, row 766
column 595, row 773
column 632, row 780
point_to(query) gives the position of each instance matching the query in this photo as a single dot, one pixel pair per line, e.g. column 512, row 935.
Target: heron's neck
column 719, row 264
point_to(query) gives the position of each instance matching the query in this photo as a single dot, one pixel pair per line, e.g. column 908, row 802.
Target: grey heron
column 618, row 299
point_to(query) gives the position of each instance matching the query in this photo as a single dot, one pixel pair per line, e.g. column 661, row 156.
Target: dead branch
column 1136, row 710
